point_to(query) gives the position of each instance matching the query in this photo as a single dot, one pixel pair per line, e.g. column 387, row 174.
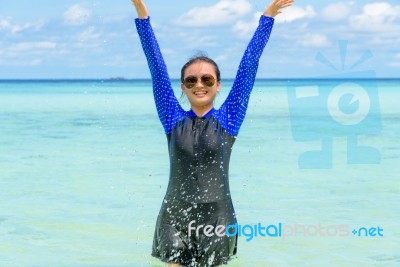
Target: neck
column 200, row 111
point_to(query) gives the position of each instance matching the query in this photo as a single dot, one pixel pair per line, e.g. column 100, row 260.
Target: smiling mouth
column 200, row 93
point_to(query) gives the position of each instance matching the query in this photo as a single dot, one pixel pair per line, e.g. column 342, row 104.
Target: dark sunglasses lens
column 208, row 80
column 190, row 82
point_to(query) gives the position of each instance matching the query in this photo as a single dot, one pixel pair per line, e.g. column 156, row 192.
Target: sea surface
column 84, row 169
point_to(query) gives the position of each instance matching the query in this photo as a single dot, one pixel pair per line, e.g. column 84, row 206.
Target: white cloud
column 382, row 41
column 295, row 13
column 337, row 12
column 7, row 25
column 45, row 45
column 32, row 46
column 77, row 15
column 244, row 29
column 377, row 17
column 89, row 35
column 223, row 12
column 314, row 40
column 26, row 53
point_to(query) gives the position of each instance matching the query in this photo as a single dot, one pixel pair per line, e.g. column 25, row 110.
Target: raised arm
column 168, row 108
column 140, row 9
column 234, row 108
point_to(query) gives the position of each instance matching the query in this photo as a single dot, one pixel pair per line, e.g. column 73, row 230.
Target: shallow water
column 84, row 168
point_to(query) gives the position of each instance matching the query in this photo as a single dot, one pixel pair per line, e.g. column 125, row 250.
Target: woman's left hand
column 275, row 7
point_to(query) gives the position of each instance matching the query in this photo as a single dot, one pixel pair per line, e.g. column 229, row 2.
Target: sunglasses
column 207, row 80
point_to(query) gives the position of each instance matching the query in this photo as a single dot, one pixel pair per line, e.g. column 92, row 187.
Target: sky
column 47, row 39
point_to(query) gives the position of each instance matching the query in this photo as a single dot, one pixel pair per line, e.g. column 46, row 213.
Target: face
column 201, row 95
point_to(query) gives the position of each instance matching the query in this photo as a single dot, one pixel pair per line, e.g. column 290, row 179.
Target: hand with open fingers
column 274, row 8
column 140, row 8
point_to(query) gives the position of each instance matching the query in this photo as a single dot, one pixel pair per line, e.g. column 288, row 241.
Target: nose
column 199, row 83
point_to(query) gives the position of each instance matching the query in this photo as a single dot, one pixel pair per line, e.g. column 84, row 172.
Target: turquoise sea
column 84, row 168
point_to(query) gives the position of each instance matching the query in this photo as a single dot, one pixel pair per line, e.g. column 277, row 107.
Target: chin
column 203, row 102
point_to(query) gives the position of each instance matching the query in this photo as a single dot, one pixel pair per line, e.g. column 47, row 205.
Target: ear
column 219, row 86
column 183, row 88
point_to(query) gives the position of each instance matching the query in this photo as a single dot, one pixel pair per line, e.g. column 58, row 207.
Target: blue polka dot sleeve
column 233, row 110
column 168, row 108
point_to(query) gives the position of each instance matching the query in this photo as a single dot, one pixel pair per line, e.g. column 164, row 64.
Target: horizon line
column 122, row 79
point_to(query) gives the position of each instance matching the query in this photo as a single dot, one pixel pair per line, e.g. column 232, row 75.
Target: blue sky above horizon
column 97, row 39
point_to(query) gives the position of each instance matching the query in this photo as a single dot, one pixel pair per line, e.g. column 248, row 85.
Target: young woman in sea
column 197, row 206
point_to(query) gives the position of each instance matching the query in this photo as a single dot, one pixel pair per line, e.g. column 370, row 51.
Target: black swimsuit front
column 197, row 195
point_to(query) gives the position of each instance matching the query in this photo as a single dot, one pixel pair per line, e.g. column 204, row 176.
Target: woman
column 200, row 142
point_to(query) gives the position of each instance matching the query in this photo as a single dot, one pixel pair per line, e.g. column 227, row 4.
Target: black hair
column 200, row 57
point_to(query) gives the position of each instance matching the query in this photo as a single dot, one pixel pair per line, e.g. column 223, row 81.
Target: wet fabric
column 179, row 236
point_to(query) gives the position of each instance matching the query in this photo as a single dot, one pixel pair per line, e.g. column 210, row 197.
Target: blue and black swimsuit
column 199, row 150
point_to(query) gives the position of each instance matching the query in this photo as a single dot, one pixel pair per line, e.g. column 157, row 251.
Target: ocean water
column 84, row 168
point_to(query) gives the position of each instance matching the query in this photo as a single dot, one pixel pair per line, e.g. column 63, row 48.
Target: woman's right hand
column 140, row 9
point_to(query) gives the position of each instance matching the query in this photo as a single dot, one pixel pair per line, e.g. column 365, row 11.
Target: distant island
column 117, row 78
